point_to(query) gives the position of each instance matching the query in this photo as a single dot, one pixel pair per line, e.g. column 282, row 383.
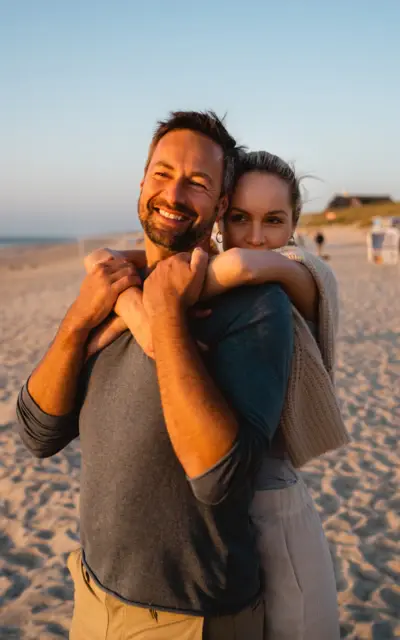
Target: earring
column 218, row 237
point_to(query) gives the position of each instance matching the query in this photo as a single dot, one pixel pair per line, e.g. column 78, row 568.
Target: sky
column 83, row 83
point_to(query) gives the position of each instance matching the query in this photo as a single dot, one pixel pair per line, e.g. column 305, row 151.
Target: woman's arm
column 237, row 267
column 230, row 269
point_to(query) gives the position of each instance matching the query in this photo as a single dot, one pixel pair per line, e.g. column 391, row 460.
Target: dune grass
column 360, row 216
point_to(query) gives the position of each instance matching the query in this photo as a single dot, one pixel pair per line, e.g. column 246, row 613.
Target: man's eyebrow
column 198, row 174
column 161, row 163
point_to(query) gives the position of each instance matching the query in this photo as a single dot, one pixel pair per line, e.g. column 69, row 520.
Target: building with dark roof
column 355, row 200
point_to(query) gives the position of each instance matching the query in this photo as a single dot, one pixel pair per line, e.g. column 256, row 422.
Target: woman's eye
column 237, row 218
column 273, row 221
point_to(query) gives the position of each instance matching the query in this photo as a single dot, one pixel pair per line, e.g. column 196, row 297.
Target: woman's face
column 260, row 215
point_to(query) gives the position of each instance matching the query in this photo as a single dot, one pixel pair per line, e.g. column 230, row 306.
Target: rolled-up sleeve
column 250, row 364
column 43, row 434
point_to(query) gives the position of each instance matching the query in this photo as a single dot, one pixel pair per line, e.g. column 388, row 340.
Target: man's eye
column 161, row 174
column 198, row 184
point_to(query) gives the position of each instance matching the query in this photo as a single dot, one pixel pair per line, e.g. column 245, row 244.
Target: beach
column 356, row 489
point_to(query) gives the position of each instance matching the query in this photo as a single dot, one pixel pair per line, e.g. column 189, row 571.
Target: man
column 169, row 451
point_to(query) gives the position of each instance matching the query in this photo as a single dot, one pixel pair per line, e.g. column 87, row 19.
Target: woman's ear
column 222, row 208
column 221, row 225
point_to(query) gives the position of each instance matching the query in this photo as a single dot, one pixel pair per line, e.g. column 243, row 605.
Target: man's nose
column 175, row 191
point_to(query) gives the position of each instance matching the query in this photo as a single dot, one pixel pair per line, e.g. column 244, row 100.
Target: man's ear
column 141, row 183
column 222, row 207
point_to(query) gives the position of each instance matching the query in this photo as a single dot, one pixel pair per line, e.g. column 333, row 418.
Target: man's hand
column 175, row 284
column 99, row 292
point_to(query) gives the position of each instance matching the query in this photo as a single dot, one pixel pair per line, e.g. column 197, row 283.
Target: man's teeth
column 171, row 216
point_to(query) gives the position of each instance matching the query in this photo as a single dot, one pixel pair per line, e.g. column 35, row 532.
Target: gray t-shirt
column 151, row 535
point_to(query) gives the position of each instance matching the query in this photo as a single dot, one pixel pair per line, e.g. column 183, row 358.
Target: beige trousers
column 100, row 616
column 300, row 591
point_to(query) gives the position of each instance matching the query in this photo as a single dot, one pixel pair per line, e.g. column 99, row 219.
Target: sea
column 25, row 241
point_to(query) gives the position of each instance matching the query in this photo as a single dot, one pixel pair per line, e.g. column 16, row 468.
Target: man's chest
column 121, row 408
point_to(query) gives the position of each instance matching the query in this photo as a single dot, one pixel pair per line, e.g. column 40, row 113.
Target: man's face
column 181, row 191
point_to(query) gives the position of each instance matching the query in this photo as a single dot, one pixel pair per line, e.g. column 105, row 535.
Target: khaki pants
column 100, row 616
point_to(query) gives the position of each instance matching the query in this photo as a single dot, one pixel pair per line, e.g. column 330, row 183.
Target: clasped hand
column 173, row 287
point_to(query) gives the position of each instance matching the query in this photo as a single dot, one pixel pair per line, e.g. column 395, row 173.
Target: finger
column 182, row 257
column 111, row 265
column 124, row 283
column 199, row 261
column 200, row 313
column 121, row 272
column 121, row 262
column 116, row 263
column 149, row 352
column 95, row 257
column 198, row 266
column 103, row 255
column 202, row 346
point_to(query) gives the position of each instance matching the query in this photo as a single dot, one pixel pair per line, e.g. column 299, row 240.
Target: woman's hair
column 266, row 162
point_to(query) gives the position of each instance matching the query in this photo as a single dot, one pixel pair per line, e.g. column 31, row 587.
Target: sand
column 356, row 490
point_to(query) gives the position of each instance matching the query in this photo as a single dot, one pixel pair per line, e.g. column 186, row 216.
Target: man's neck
column 155, row 254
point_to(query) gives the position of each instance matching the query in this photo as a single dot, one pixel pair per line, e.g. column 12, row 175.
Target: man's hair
column 265, row 162
column 208, row 124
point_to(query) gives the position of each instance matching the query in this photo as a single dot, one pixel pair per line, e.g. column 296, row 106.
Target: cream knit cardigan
column 311, row 422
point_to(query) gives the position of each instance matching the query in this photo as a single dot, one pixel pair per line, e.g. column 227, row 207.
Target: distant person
column 319, row 242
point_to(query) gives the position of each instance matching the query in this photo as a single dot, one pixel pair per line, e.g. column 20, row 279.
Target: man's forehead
column 186, row 145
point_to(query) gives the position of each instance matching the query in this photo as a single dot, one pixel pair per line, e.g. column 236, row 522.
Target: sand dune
column 356, row 490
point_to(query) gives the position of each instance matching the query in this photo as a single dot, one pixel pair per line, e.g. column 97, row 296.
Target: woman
column 299, row 583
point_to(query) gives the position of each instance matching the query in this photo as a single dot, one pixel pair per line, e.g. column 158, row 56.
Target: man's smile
column 171, row 216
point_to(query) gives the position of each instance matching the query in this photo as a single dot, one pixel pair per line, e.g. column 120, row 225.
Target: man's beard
column 181, row 239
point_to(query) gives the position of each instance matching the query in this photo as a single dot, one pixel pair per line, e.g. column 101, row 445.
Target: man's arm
column 52, row 387
column 220, row 437
column 200, row 423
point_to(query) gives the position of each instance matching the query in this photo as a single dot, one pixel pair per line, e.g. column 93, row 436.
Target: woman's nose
column 256, row 237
